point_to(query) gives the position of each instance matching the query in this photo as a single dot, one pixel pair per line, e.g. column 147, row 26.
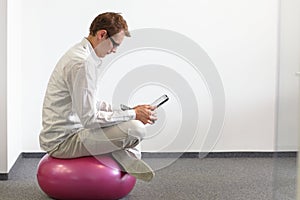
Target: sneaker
column 134, row 166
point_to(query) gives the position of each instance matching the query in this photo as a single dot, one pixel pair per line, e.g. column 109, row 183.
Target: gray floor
column 186, row 179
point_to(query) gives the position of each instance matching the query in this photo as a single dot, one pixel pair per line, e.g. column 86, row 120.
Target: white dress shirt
column 70, row 101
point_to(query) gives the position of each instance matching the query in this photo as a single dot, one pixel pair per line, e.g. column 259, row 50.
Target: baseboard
column 32, row 154
column 195, row 154
column 3, row 176
column 219, row 154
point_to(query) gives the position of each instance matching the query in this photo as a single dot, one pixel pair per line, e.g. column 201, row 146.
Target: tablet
column 158, row 102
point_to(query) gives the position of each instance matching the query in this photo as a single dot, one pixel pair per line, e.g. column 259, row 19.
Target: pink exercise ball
column 85, row 178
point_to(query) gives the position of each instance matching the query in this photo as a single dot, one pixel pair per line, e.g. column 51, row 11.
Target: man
column 75, row 123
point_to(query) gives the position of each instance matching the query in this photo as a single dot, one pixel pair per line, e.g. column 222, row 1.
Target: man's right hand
column 145, row 113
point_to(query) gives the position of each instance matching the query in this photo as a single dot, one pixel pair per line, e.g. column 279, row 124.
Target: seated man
column 75, row 124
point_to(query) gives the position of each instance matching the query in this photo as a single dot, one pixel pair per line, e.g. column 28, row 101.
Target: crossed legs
column 120, row 140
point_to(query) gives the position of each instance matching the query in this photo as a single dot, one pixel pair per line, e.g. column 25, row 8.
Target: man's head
column 107, row 32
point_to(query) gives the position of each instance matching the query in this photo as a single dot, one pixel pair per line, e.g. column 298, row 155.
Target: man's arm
column 82, row 85
column 104, row 106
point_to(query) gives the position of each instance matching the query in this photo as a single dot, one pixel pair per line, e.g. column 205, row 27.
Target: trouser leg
column 86, row 142
column 124, row 136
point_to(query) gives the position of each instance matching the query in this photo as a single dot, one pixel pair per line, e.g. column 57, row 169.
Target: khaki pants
column 124, row 136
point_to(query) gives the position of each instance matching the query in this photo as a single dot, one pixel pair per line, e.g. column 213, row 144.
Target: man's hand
column 145, row 113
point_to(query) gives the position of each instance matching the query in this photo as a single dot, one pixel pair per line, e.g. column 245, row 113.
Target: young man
column 75, row 123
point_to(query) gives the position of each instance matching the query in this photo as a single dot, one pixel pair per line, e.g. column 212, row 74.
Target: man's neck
column 91, row 39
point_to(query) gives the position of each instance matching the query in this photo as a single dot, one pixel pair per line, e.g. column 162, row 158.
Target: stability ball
column 85, row 178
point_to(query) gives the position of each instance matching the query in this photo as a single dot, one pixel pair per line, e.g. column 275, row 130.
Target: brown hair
column 112, row 22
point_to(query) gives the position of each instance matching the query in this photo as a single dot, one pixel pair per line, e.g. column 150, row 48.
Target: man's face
column 109, row 44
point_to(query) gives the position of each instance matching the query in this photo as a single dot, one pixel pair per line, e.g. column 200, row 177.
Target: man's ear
column 101, row 34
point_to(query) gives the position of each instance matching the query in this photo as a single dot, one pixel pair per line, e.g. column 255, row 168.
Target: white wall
column 289, row 64
column 14, row 82
column 11, row 80
column 241, row 38
column 3, row 86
